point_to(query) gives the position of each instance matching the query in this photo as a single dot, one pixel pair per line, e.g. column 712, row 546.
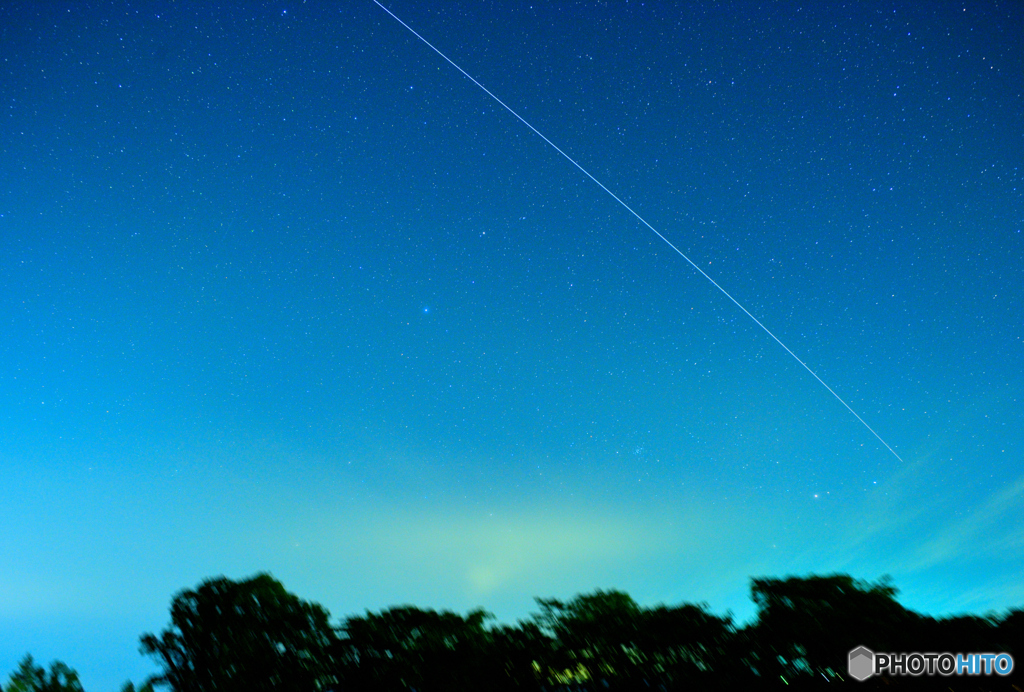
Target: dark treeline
column 253, row 635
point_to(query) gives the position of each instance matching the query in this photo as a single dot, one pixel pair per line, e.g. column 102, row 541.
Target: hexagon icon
column 861, row 663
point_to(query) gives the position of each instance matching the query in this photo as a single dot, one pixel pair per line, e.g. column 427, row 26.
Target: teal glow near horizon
column 283, row 291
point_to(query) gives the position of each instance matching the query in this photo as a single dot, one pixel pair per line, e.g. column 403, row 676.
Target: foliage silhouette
column 144, row 687
column 806, row 626
column 253, row 635
column 606, row 641
column 250, row 635
column 409, row 648
column 32, row 678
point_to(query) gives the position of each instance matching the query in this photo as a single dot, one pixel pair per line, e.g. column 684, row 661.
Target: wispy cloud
column 976, row 532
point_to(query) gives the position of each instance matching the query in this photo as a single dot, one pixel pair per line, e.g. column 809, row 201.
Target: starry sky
column 282, row 290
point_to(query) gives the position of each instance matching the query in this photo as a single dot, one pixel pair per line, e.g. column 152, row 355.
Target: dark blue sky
column 281, row 290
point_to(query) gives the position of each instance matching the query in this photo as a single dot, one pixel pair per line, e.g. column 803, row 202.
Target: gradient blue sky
column 281, row 290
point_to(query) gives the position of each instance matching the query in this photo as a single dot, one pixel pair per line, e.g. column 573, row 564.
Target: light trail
column 644, row 222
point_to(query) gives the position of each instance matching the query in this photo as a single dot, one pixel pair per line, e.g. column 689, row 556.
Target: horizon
column 493, row 622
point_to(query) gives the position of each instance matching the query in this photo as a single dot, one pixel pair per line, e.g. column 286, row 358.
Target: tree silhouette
column 32, row 678
column 144, row 687
column 250, row 635
column 409, row 648
column 521, row 657
column 596, row 637
column 254, row 636
column 604, row 640
column 689, row 647
column 806, row 626
column 1010, row 632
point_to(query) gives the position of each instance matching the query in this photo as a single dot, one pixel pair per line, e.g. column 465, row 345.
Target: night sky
column 282, row 290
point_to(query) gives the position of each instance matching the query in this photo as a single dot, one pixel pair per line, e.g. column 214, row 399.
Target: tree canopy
column 253, row 635
column 250, row 635
column 32, row 678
